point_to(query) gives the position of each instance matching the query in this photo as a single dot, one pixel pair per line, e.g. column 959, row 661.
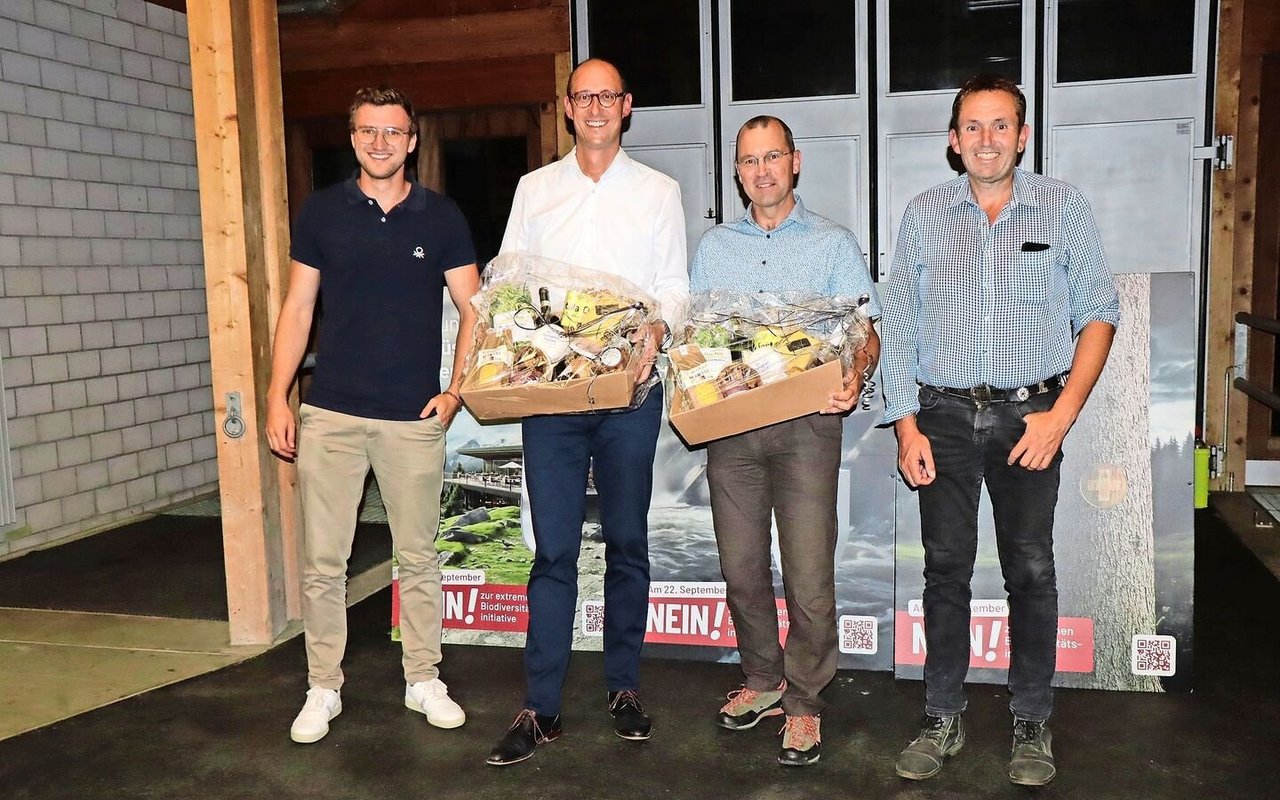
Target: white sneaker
column 432, row 698
column 312, row 722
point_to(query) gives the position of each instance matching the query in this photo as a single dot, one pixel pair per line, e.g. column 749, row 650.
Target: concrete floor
column 224, row 734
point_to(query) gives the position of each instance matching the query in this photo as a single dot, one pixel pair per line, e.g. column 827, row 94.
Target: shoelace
column 744, row 698
column 532, row 716
column 1026, row 732
column 935, row 732
column 627, row 697
column 804, row 729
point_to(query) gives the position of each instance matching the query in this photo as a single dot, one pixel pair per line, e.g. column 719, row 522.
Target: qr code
column 593, row 618
column 858, row 635
column 1154, row 655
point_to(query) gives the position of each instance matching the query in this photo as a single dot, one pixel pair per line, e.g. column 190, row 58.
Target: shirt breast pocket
column 1033, row 279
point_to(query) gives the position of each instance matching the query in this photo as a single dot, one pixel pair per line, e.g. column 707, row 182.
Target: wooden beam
column 1220, row 345
column 404, row 9
column 564, row 68
column 273, row 192
column 1260, row 444
column 526, row 80
column 1247, row 31
column 313, row 45
column 235, row 88
column 430, row 155
column 300, row 165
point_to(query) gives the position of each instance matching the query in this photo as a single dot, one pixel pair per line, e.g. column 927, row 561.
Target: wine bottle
column 544, row 307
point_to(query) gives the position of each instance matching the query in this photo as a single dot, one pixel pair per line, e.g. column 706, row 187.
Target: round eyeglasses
column 369, row 134
column 607, row 98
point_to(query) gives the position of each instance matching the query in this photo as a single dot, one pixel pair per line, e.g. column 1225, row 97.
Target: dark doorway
column 481, row 176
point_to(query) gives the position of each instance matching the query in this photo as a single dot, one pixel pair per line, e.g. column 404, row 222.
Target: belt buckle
column 981, row 396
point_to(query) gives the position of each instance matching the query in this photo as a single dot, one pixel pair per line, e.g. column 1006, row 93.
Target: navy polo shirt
column 381, row 290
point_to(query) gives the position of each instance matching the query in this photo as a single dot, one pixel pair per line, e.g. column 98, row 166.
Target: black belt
column 983, row 394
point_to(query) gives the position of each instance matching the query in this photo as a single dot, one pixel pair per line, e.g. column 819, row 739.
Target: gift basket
column 554, row 338
column 781, row 353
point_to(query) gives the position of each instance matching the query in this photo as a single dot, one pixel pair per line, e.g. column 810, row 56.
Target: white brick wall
column 102, row 312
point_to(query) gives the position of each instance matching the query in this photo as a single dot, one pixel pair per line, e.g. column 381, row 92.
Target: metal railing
column 1267, row 325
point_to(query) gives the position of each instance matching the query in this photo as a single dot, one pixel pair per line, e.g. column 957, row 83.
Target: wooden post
column 430, row 153
column 235, row 80
column 564, row 68
column 1247, row 30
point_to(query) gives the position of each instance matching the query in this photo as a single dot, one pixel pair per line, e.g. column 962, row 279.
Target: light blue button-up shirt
column 807, row 252
column 971, row 302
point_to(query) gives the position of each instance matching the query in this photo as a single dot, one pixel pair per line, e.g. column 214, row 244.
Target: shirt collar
column 620, row 165
column 799, row 215
column 415, row 201
column 1023, row 194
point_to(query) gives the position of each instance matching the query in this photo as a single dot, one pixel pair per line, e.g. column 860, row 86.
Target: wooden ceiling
column 445, row 54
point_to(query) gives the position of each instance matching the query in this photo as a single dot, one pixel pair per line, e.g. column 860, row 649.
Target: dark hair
column 764, row 121
column 988, row 83
column 568, row 84
column 382, row 96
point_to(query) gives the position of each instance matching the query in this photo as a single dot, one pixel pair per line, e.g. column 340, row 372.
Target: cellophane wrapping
column 548, row 323
column 734, row 342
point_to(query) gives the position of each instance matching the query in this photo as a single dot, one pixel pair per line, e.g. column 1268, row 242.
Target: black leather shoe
column 629, row 719
column 529, row 730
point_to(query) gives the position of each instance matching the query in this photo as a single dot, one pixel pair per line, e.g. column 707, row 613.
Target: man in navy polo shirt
column 380, row 249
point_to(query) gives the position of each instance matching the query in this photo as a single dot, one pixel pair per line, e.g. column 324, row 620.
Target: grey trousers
column 788, row 471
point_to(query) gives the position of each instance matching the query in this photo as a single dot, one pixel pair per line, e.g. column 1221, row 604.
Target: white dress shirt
column 629, row 223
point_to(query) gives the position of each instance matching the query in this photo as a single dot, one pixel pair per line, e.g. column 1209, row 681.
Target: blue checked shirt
column 970, row 303
column 807, row 252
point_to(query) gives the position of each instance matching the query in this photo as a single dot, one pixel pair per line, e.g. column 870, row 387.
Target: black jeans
column 972, row 445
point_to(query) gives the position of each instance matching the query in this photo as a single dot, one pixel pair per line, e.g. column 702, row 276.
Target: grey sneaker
column 746, row 707
column 941, row 737
column 1032, row 761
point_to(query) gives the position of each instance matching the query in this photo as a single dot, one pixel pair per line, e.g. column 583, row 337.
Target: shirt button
column 764, row 262
column 768, row 236
column 370, row 202
column 384, row 219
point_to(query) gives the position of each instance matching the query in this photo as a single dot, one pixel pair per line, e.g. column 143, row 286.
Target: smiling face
column 596, row 127
column 988, row 138
column 380, row 159
column 768, row 186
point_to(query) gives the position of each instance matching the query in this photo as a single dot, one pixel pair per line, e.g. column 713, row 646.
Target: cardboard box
column 600, row 393
column 797, row 396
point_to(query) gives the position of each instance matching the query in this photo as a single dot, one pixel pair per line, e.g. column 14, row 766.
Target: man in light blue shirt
column 788, row 469
column 999, row 290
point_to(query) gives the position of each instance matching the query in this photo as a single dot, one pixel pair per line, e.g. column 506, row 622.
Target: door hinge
column 1222, row 152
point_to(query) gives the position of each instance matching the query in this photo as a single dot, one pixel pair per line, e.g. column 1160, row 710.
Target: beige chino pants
column 335, row 453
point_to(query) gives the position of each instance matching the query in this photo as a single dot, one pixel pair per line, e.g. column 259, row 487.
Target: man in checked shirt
column 999, row 290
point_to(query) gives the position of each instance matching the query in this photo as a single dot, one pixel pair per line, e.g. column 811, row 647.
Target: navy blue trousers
column 559, row 451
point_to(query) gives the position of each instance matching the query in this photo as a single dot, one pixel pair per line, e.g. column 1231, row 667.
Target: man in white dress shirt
column 595, row 208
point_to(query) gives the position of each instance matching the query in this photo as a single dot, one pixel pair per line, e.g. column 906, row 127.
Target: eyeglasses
column 368, row 135
column 768, row 159
column 607, row 98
